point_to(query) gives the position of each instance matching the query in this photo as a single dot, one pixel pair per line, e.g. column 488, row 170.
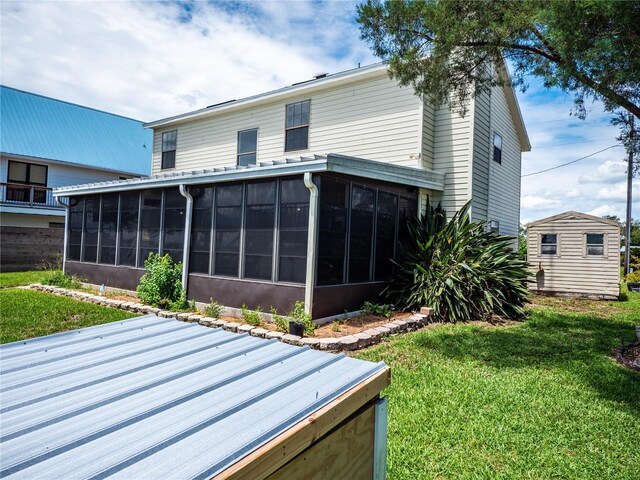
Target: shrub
column 299, row 315
column 214, row 309
column 161, row 285
column 370, row 308
column 61, row 279
column 252, row 317
column 633, row 276
column 280, row 322
column 459, row 269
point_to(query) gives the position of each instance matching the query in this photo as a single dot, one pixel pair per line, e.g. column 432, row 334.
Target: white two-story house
column 47, row 143
column 299, row 194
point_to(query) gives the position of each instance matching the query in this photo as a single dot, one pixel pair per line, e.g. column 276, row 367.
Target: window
column 296, row 136
column 150, row 224
column 247, row 146
column 294, row 222
column 361, row 233
column 201, row 229
column 259, row 227
column 90, row 228
column 128, row 230
column 387, row 212
column 26, row 174
column 549, row 244
column 595, row 245
column 169, row 149
column 497, row 147
column 108, row 228
column 333, row 230
column 228, row 223
column 173, row 226
column 76, row 215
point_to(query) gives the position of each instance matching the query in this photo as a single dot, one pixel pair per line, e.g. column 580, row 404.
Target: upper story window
column 497, row 147
column 549, row 244
column 595, row 245
column 26, row 174
column 296, row 135
column 247, row 146
column 169, row 149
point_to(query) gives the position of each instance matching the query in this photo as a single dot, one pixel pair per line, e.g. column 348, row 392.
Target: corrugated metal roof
column 332, row 162
column 154, row 397
column 42, row 127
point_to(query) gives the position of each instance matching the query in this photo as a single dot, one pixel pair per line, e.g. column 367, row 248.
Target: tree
column 590, row 48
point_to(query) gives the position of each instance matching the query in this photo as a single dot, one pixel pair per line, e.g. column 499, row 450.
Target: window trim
column 587, row 245
column 495, row 147
column 162, row 160
column 287, row 129
column 556, row 244
column 238, row 152
column 28, row 181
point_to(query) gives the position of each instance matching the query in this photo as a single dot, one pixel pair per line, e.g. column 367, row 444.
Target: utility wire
column 569, row 163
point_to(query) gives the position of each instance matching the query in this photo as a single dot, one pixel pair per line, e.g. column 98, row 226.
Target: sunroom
column 317, row 229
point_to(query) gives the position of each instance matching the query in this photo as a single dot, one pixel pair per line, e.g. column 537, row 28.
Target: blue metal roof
column 156, row 398
column 42, row 127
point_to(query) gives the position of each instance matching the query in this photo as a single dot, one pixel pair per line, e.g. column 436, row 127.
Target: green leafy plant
column 161, row 285
column 370, row 308
column 61, row 279
column 335, row 326
column 214, row 309
column 299, row 315
column 280, row 322
column 252, row 317
column 633, row 276
column 459, row 269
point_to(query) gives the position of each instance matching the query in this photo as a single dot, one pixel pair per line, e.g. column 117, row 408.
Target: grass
column 536, row 399
column 14, row 279
column 28, row 313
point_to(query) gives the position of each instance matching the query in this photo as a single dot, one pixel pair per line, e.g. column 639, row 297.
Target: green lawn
column 539, row 399
column 29, row 313
column 13, row 279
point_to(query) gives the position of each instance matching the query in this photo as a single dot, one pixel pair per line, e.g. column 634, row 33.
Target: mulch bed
column 628, row 355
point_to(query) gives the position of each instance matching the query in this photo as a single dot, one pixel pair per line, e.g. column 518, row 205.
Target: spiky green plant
column 459, row 269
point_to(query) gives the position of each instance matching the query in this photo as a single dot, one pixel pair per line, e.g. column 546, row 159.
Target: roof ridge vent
column 320, row 75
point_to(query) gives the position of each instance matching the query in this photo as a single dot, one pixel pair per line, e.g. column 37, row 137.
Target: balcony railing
column 26, row 195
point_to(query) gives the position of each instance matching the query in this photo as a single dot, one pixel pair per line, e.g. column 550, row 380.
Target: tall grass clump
column 458, row 268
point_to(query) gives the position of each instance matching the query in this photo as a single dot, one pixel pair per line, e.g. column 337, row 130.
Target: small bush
column 252, row 317
column 298, row 314
column 335, row 326
column 370, row 308
column 633, row 276
column 161, row 285
column 280, row 322
column 214, row 309
column 60, row 279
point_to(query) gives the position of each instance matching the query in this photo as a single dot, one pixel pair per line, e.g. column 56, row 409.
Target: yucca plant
column 458, row 268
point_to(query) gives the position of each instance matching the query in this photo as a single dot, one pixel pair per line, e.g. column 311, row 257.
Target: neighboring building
column 575, row 254
column 47, row 143
column 300, row 193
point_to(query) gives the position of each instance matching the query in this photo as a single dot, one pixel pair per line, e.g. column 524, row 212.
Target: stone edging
column 336, row 344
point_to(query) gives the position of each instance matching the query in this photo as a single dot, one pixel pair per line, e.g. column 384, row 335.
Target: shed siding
column 504, row 178
column 374, row 119
column 571, row 271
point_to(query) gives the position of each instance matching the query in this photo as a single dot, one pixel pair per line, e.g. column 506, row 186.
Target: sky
column 149, row 60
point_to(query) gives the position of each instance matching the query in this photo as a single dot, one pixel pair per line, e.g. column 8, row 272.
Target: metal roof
column 331, row 162
column 155, row 397
column 40, row 127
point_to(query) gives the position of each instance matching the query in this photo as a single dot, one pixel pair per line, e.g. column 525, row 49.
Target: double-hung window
column 595, row 245
column 169, row 140
column 549, row 244
column 296, row 136
column 497, row 147
column 247, row 146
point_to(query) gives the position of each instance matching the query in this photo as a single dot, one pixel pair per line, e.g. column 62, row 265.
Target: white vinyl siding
column 373, row 119
column 571, row 271
column 481, row 152
column 504, row 178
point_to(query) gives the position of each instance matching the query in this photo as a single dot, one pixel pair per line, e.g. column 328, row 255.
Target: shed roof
column 40, row 127
column 154, row 397
column 571, row 214
column 332, row 162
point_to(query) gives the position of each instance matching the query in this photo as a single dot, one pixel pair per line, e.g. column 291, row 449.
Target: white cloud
column 536, row 202
column 603, row 210
column 610, row 171
column 617, row 192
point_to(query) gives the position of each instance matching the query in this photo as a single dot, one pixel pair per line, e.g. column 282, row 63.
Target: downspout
column 311, row 243
column 187, row 235
column 66, row 230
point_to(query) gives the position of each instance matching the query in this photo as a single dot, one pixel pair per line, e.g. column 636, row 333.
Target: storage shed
column 574, row 254
column 156, row 398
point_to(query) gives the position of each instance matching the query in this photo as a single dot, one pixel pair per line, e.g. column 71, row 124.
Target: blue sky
column 149, row 60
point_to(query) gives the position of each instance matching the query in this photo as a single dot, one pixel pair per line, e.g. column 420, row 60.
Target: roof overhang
column 572, row 214
column 332, row 162
column 51, row 161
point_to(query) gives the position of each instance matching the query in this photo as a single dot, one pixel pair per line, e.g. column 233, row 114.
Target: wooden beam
column 281, row 450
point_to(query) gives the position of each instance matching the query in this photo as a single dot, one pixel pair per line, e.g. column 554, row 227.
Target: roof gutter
column 312, row 238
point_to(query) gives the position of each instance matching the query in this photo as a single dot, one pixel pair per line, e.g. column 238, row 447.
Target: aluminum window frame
column 296, row 127
column 594, row 245
column 163, row 165
column 549, row 244
column 254, row 152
